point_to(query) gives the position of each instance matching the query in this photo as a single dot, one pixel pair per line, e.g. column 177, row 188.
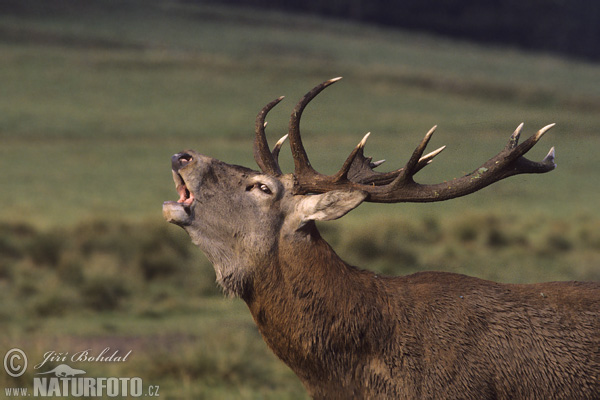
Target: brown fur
column 349, row 333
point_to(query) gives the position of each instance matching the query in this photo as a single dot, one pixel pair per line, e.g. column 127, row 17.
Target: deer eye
column 264, row 188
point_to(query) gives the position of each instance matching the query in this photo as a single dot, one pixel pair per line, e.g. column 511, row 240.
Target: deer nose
column 180, row 160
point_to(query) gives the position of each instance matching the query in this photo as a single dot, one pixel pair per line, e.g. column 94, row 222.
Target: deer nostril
column 180, row 160
column 184, row 159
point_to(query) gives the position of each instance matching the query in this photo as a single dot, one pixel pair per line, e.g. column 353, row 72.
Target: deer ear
column 329, row 205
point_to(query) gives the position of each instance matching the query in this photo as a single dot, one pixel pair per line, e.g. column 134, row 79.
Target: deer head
column 239, row 216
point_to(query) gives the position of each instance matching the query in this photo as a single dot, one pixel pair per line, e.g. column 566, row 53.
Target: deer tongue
column 185, row 196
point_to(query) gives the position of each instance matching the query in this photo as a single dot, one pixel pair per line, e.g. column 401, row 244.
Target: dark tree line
column 570, row 27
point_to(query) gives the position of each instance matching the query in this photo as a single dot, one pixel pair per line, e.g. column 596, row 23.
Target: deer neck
column 306, row 303
column 302, row 270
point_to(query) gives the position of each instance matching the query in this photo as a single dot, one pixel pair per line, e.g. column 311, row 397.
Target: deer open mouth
column 178, row 161
column 179, row 212
column 185, row 196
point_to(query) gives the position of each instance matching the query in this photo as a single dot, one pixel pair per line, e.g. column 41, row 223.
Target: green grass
column 96, row 99
column 213, row 352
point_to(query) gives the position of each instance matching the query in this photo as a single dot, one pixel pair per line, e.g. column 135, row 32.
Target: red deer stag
column 349, row 333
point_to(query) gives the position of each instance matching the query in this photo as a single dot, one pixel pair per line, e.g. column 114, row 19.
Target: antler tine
column 266, row 161
column 357, row 153
column 301, row 162
column 410, row 169
column 427, row 159
column 277, row 148
column 342, row 174
column 549, row 159
column 519, row 150
column 376, row 164
column 361, row 169
column 514, row 138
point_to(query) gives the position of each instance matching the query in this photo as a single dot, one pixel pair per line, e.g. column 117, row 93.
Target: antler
column 266, row 160
column 357, row 172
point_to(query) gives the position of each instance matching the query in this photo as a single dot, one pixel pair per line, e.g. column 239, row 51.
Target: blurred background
column 97, row 95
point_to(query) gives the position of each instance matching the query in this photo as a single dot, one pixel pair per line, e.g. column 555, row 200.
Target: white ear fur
column 329, row 205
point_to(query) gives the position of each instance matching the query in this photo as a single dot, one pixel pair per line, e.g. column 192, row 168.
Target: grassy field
column 97, row 97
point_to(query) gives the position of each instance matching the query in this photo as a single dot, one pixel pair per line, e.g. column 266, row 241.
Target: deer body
column 349, row 333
